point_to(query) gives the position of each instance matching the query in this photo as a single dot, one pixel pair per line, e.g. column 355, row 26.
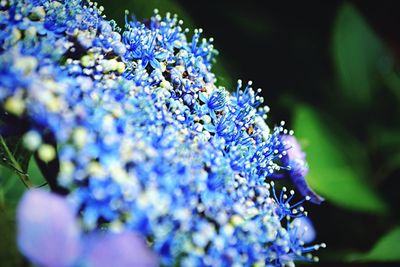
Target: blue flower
column 285, row 208
column 215, row 102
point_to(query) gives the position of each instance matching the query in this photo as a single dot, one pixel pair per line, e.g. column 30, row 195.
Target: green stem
column 18, row 169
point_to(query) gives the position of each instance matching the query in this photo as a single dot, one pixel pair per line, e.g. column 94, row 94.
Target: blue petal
column 304, row 229
column 155, row 64
column 212, row 115
column 161, row 55
column 301, row 184
column 209, row 127
column 203, row 97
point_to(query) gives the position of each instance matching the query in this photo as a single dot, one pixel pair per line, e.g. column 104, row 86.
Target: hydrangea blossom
column 144, row 140
column 49, row 234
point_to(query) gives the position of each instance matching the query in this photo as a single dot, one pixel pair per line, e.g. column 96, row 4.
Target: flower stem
column 24, row 177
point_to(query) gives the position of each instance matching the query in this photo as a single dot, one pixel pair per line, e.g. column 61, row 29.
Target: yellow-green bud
column 46, row 152
column 15, row 105
column 38, row 13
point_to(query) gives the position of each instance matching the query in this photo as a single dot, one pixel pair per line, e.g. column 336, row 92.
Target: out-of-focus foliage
column 11, row 190
column 336, row 177
column 386, row 249
column 357, row 53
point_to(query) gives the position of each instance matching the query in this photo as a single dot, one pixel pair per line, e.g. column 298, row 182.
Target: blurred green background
column 330, row 69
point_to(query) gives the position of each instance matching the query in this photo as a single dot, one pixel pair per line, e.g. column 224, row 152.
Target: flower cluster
column 145, row 140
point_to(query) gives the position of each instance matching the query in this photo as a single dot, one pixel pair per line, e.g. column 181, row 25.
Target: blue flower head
column 146, row 142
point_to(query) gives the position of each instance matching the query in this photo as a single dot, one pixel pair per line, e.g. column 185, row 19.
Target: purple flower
column 49, row 235
column 123, row 249
column 296, row 160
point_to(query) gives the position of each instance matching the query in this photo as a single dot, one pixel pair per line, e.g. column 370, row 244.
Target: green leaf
column 10, row 187
column 334, row 176
column 10, row 191
column 357, row 52
column 7, row 179
column 9, row 255
column 392, row 80
column 35, row 173
column 386, row 249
